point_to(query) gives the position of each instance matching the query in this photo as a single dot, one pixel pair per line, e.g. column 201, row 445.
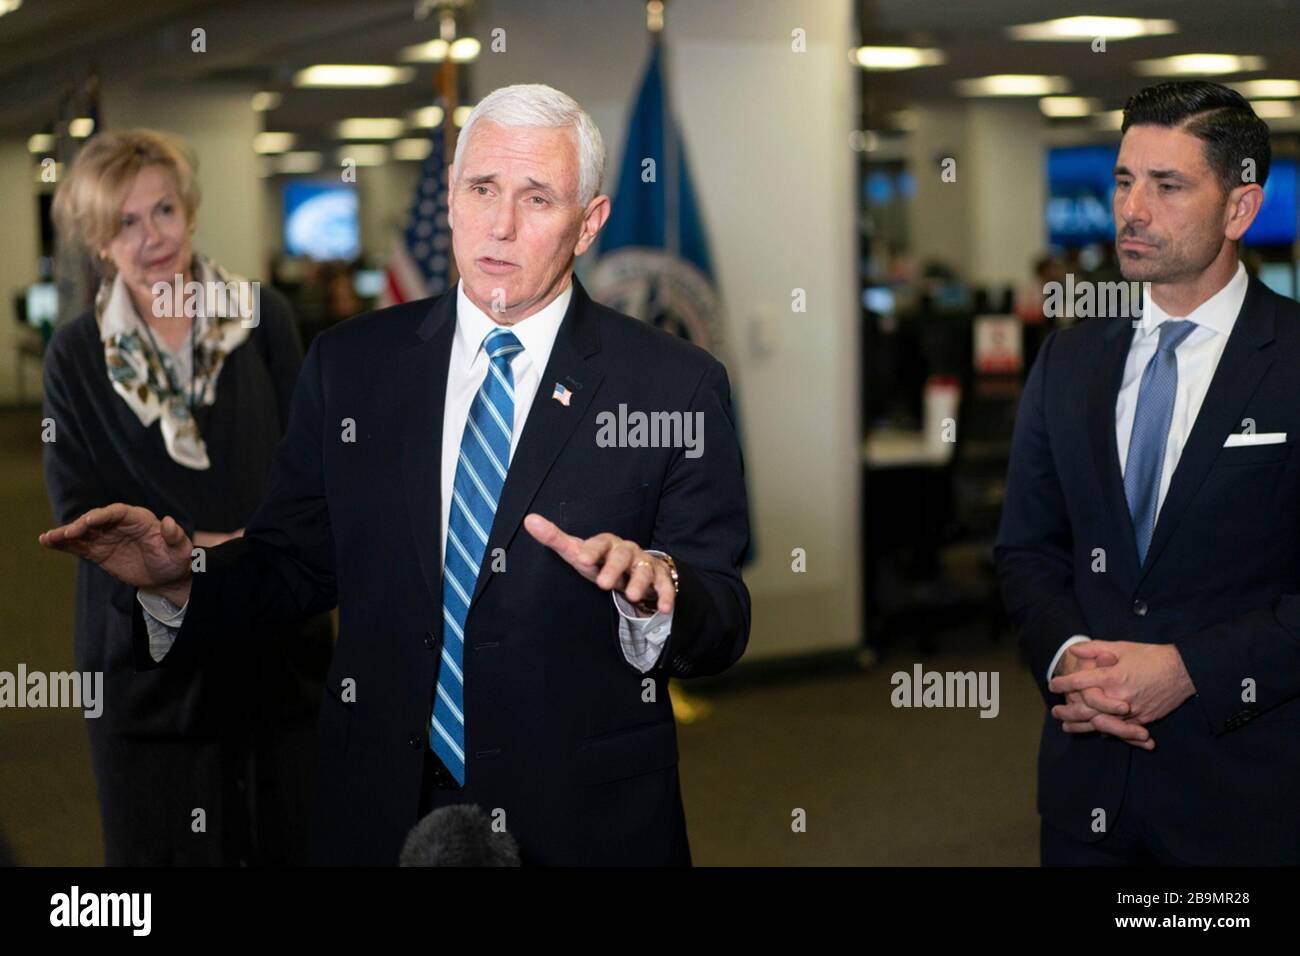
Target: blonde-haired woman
column 177, row 403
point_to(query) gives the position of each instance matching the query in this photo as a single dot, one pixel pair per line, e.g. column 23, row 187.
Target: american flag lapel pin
column 562, row 395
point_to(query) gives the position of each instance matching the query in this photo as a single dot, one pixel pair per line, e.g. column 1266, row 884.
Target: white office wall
column 987, row 219
column 19, row 249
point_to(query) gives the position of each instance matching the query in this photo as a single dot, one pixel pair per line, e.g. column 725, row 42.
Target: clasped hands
column 1118, row 687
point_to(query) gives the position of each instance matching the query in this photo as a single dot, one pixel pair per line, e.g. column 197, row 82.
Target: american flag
column 420, row 263
column 561, row 394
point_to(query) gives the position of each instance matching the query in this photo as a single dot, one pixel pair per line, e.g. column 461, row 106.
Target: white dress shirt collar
column 535, row 333
column 1218, row 312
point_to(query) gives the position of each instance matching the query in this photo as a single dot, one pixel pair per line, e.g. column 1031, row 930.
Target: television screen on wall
column 321, row 221
column 1080, row 181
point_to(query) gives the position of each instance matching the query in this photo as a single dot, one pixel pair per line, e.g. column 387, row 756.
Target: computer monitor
column 879, row 299
column 952, row 296
column 369, row 283
column 42, row 302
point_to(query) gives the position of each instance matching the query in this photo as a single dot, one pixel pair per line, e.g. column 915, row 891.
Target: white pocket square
column 1254, row 438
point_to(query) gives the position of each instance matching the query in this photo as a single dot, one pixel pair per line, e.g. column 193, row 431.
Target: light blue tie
column 480, row 475
column 1151, row 418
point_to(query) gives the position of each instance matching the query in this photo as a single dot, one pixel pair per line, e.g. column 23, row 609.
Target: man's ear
column 593, row 220
column 1244, row 202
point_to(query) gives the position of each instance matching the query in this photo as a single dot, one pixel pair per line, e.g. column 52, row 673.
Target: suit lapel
column 422, row 390
column 1242, row 366
column 1103, row 390
column 549, row 424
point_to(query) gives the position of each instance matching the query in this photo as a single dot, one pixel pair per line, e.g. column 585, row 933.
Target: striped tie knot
column 501, row 343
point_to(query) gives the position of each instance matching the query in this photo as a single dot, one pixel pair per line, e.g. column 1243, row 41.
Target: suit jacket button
column 1140, row 608
column 429, row 640
column 416, row 741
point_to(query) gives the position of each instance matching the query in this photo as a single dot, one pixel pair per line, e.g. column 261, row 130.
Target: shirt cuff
column 1077, row 639
column 642, row 638
column 162, row 619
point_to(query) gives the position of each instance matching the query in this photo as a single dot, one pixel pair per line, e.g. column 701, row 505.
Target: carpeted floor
column 880, row 786
column 876, row 785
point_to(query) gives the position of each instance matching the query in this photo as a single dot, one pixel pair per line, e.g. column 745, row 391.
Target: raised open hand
column 129, row 543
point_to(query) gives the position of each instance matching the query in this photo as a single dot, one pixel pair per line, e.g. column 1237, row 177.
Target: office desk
column 904, row 448
column 906, row 504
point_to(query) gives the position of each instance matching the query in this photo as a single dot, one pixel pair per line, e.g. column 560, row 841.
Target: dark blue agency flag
column 654, row 256
column 656, row 206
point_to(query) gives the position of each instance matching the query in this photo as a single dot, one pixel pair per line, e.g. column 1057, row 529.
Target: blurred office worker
column 516, row 584
column 177, row 403
column 1148, row 547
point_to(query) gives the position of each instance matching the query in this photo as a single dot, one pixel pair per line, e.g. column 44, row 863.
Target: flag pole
column 687, row 708
column 446, row 88
column 655, row 25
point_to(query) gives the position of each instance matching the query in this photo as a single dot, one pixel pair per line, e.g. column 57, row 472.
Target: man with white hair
column 475, row 664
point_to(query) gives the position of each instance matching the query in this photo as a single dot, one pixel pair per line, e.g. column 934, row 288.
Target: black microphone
column 459, row 835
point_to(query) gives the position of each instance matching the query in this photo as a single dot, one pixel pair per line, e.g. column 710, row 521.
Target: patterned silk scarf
column 136, row 370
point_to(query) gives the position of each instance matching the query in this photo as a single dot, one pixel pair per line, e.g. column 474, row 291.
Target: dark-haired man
column 1148, row 548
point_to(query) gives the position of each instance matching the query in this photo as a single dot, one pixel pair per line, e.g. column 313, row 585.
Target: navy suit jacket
column 575, row 745
column 1221, row 581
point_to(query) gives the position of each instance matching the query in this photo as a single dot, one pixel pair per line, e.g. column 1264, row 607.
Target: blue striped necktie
column 1151, row 418
column 480, row 475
